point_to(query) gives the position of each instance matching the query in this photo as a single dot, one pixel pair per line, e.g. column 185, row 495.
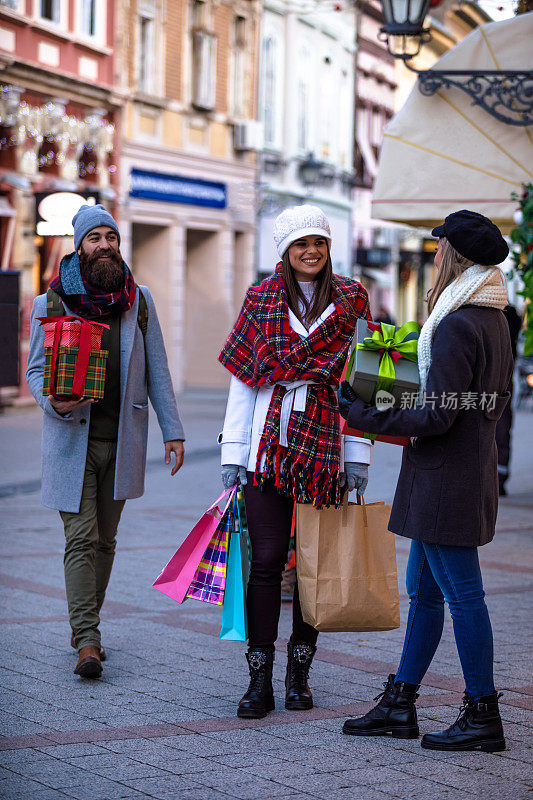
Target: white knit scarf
column 477, row 285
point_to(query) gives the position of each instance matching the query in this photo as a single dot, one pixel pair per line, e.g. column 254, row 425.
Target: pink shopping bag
column 177, row 575
column 209, row 579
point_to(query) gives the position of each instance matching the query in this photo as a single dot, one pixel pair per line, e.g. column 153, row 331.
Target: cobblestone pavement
column 161, row 723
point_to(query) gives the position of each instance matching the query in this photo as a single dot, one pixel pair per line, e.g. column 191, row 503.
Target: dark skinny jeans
column 269, row 518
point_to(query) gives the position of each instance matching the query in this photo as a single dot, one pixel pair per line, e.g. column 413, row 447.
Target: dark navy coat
column 447, row 491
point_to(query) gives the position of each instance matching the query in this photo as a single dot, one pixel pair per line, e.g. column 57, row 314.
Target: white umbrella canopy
column 441, row 153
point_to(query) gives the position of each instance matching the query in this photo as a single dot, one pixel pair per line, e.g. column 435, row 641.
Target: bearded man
column 94, row 452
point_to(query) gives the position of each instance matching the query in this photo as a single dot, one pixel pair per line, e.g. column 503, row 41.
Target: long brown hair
column 452, row 265
column 321, row 298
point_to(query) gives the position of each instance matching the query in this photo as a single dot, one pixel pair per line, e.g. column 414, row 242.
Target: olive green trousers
column 90, row 539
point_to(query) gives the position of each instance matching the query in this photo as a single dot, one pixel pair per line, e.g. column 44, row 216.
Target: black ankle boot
column 298, row 695
column 477, row 727
column 395, row 714
column 259, row 699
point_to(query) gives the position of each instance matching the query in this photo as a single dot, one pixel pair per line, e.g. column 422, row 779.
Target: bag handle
column 361, row 502
column 344, row 507
column 226, row 495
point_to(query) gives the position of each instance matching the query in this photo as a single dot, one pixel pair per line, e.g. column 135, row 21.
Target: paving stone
column 166, row 666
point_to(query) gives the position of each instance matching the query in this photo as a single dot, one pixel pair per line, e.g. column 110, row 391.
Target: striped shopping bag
column 209, row 580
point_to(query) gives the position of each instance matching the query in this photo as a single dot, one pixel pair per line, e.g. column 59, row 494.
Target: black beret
column 474, row 236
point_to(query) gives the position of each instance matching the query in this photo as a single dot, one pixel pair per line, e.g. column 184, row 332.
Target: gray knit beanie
column 89, row 217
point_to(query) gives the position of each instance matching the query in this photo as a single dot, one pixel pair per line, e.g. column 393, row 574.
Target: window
column 146, row 54
column 204, row 51
column 326, row 120
column 204, row 58
column 11, row 4
column 376, row 128
column 304, row 100
column 88, row 17
column 50, row 10
column 238, row 100
column 90, row 20
column 268, row 95
column 344, row 142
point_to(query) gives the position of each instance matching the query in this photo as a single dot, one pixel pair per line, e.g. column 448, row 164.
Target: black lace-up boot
column 298, row 696
column 394, row 715
column 478, row 727
column 259, row 699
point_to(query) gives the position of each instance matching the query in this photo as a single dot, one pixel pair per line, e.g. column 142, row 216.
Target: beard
column 105, row 274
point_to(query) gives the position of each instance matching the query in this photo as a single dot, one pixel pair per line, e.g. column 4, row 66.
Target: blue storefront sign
column 177, row 189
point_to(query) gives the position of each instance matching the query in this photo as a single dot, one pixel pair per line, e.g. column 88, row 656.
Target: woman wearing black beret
column 447, row 493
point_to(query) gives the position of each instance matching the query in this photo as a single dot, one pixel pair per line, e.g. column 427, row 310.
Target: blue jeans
column 436, row 573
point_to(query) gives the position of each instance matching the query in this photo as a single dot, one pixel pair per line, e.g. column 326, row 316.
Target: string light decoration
column 31, row 128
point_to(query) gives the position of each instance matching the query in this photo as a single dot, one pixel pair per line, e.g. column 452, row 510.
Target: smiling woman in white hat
column 281, row 437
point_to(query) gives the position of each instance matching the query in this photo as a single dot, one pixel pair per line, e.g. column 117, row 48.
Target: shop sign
column 177, row 189
column 54, row 211
column 374, row 256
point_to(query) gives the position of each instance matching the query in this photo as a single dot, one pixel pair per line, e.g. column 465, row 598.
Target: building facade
column 306, row 111
column 187, row 72
column 58, row 133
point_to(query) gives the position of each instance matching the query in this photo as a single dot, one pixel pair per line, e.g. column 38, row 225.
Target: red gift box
column 83, row 352
column 70, row 333
column 403, row 441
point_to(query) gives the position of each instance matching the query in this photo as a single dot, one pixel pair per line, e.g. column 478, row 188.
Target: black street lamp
column 405, row 19
column 505, row 94
column 310, row 170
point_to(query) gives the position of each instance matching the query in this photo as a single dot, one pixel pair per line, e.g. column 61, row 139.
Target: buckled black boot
column 394, row 715
column 298, row 695
column 478, row 727
column 259, row 699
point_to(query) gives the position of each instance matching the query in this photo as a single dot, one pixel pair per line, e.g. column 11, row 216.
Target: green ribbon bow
column 392, row 346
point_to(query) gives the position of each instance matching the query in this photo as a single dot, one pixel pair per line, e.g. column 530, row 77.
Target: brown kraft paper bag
column 346, row 567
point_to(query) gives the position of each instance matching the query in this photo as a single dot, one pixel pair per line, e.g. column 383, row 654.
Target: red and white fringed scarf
column 263, row 349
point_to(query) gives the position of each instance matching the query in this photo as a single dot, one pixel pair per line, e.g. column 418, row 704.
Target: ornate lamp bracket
column 505, row 94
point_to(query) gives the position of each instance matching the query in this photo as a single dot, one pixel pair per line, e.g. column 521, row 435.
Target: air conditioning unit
column 248, row 135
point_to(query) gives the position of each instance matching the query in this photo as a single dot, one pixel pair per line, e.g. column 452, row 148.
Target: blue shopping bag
column 234, row 619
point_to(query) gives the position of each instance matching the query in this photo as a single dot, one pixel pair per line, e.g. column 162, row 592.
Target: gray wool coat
column 447, row 491
column 64, row 438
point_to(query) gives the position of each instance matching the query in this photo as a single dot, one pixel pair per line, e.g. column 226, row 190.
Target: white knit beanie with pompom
column 298, row 221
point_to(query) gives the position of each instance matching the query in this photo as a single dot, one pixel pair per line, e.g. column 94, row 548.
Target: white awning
column 442, row 153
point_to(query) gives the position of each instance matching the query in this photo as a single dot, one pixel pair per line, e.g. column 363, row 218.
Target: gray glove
column 356, row 475
column 232, row 474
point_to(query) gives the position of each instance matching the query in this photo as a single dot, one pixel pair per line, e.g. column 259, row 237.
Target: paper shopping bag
column 346, row 567
column 210, row 578
column 234, row 620
column 177, row 575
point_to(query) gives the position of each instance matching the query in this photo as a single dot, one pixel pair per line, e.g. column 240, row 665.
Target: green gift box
column 383, row 357
column 65, row 369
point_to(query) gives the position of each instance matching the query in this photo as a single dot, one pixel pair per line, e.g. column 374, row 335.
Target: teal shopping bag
column 234, row 620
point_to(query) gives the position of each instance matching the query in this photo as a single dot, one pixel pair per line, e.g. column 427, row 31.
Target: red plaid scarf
column 263, row 349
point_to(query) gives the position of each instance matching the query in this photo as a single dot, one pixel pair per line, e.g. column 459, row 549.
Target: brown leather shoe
column 89, row 665
column 103, row 654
